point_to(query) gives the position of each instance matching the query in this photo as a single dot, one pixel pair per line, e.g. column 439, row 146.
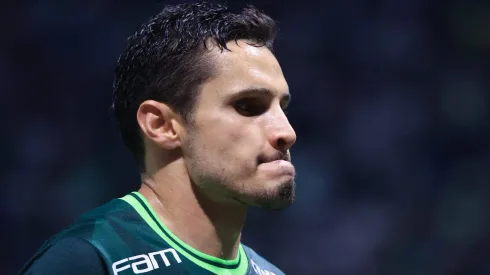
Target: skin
column 202, row 177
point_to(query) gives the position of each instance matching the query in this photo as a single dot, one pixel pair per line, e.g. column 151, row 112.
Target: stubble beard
column 279, row 198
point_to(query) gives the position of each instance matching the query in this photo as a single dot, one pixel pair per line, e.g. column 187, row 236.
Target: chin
column 284, row 198
column 278, row 198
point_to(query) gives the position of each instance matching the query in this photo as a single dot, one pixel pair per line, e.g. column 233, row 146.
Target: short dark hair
column 164, row 60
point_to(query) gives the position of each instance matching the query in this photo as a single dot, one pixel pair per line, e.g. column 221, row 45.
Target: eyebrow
column 260, row 92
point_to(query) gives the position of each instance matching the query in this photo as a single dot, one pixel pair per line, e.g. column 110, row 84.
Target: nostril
column 281, row 143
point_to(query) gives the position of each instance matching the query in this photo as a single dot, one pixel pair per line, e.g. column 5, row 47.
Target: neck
column 211, row 227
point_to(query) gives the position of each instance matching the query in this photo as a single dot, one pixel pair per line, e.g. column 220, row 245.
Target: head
column 201, row 85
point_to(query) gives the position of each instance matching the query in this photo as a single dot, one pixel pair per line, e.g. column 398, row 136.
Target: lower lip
column 282, row 167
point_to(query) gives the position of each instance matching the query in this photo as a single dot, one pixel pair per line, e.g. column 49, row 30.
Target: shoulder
column 76, row 247
column 87, row 225
column 259, row 264
column 67, row 256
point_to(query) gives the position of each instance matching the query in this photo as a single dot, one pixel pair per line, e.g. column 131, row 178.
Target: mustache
column 275, row 156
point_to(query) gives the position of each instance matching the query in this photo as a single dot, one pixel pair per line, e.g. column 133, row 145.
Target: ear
column 158, row 122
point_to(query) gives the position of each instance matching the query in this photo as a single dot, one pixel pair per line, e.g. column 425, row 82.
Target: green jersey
column 125, row 236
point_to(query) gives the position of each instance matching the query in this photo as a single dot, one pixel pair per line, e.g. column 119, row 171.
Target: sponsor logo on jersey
column 259, row 270
column 146, row 262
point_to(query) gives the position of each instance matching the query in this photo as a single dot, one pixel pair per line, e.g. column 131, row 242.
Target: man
column 200, row 101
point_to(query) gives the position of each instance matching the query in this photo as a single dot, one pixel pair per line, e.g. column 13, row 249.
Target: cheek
column 232, row 140
column 222, row 129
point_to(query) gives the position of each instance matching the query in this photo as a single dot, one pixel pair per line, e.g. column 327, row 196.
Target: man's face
column 238, row 146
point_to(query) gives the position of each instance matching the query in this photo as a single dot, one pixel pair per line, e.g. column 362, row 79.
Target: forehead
column 244, row 67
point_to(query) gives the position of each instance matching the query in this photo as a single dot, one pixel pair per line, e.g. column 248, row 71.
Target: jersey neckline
column 239, row 265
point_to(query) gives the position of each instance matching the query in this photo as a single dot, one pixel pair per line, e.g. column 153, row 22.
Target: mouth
column 276, row 167
column 273, row 158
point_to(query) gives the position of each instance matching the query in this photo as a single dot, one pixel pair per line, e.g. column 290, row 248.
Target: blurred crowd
column 390, row 104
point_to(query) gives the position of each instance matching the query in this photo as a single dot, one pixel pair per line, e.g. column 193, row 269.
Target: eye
column 284, row 106
column 250, row 107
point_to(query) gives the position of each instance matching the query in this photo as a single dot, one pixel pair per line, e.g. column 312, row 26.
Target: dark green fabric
column 70, row 256
column 115, row 237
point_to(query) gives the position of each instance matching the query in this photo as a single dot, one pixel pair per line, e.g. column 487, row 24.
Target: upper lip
column 273, row 157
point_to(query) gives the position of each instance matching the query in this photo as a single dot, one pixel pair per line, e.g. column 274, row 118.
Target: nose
column 281, row 135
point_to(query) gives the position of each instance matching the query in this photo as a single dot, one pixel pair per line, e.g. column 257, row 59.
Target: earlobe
column 156, row 121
